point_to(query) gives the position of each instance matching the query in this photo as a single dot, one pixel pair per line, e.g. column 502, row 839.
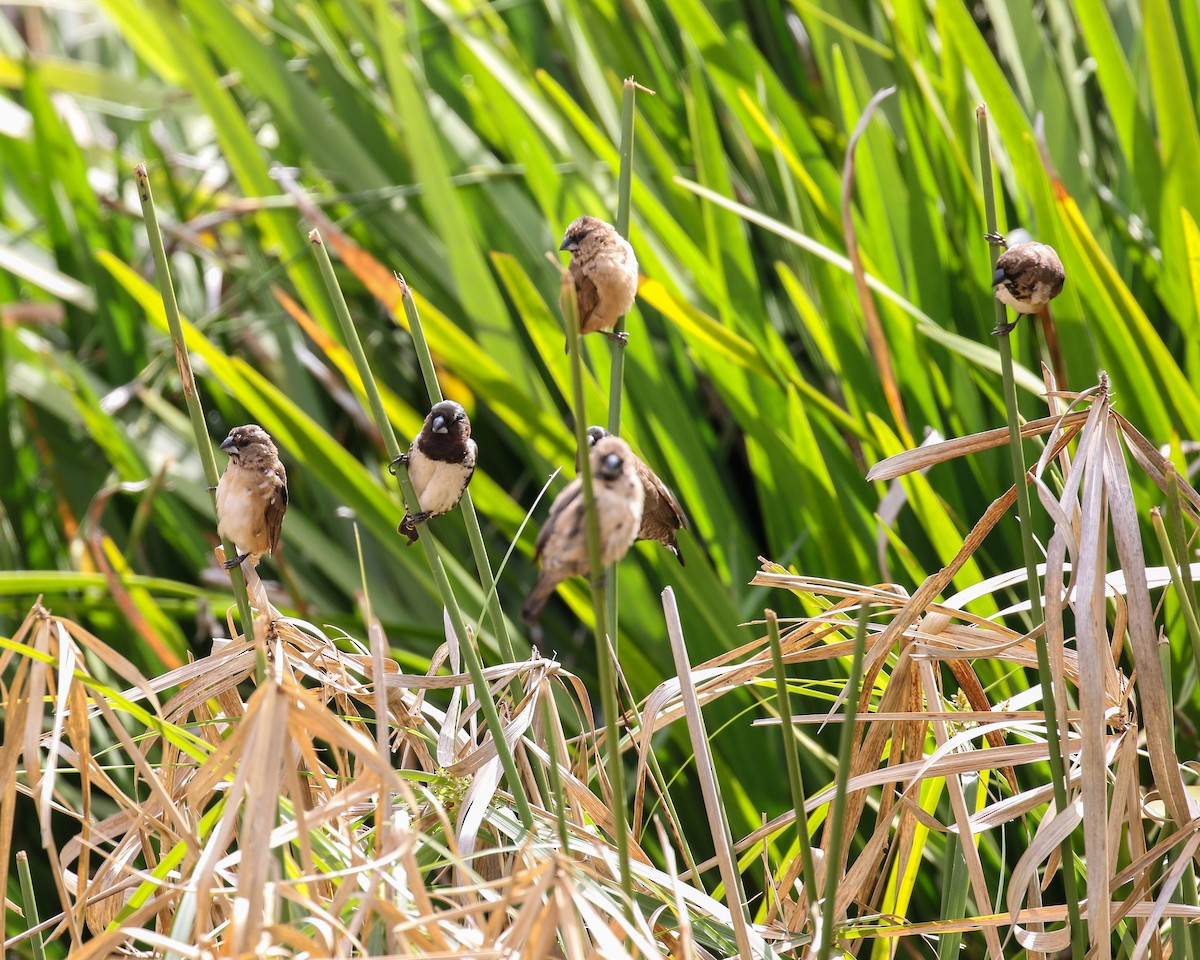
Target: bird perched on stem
column 605, row 273
column 252, row 495
column 661, row 513
column 562, row 542
column 1028, row 275
column 441, row 462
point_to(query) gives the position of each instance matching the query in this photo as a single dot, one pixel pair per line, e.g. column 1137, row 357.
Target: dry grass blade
column 928, row 455
column 708, row 781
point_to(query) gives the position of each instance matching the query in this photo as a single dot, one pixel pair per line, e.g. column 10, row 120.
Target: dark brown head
column 611, row 457
column 249, row 444
column 445, row 433
column 584, row 234
column 448, row 418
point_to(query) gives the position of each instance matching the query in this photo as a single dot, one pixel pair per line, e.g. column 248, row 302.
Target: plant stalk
column 432, row 552
column 1079, row 933
column 608, row 689
column 837, row 810
column 617, row 380
column 195, row 410
column 470, row 518
column 29, row 905
column 795, row 777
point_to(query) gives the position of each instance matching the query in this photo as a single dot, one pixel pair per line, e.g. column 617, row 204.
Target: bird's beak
column 229, row 445
column 999, row 277
column 569, row 244
column 611, row 463
column 439, row 424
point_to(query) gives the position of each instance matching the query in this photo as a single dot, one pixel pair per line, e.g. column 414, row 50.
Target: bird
column 562, row 543
column 605, row 273
column 1028, row 275
column 252, row 494
column 661, row 513
column 441, row 462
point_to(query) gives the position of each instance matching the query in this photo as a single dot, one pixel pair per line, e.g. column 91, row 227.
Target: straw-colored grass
column 809, row 368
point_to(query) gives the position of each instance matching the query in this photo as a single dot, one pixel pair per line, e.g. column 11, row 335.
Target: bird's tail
column 537, row 599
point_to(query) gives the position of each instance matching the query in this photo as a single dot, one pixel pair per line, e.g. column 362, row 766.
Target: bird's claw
column 621, row 338
column 403, row 458
column 212, row 488
column 1002, row 329
column 600, row 582
column 996, row 239
column 230, row 564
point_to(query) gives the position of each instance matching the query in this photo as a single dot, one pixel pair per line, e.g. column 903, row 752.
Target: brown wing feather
column 276, row 509
column 586, row 293
column 570, row 493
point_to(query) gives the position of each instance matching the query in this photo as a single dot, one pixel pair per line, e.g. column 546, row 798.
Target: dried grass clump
column 235, row 819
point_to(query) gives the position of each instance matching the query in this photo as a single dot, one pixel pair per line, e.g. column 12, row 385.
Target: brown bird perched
column 562, row 542
column 661, row 513
column 1028, row 275
column 605, row 273
column 440, row 463
column 252, row 495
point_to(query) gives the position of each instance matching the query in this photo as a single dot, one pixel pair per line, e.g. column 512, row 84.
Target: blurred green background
column 452, row 141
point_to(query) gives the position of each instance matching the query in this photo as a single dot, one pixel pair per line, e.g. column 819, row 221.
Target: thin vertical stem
column 191, row 397
column 29, row 905
column 470, row 518
column 617, row 380
column 795, row 777
column 837, row 810
column 1079, row 935
column 710, row 788
column 608, row 689
column 432, row 552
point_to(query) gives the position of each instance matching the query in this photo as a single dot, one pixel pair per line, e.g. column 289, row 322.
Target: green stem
column 1079, row 934
column 837, row 812
column 617, row 380
column 432, row 552
column 551, row 740
column 195, row 410
column 795, row 777
column 608, row 689
column 474, row 533
column 1186, row 603
column 29, row 905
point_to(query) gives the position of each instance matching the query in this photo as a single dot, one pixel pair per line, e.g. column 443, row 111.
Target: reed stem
column 191, row 397
column 1079, row 935
column 795, row 777
column 470, row 517
column 432, row 551
column 608, row 689
column 617, row 380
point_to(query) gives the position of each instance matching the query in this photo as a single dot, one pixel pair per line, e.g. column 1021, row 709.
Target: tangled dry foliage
column 288, row 823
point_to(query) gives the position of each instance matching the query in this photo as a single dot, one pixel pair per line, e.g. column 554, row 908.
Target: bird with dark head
column 661, row 514
column 605, row 273
column 562, row 543
column 441, row 462
column 1028, row 275
column 252, row 495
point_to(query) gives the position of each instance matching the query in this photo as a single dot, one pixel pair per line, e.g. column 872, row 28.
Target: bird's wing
column 654, row 485
column 276, row 508
column 571, row 493
column 586, row 293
